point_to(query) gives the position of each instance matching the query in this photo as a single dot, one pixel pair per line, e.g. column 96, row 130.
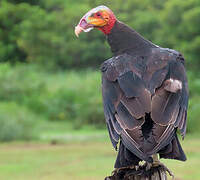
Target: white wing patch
column 173, row 85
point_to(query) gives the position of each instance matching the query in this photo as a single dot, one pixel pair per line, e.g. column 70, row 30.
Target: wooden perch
column 155, row 173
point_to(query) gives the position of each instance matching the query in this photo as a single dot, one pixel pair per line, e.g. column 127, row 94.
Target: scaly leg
column 157, row 163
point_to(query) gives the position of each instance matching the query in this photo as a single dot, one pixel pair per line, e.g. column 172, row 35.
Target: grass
column 78, row 158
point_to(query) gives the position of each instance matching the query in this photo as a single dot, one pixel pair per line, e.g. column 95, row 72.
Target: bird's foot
column 125, row 168
column 147, row 166
column 165, row 168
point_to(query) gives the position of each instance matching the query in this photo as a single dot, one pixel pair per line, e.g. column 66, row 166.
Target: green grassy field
column 85, row 155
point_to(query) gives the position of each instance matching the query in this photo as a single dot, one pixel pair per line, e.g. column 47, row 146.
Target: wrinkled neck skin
column 108, row 27
column 123, row 39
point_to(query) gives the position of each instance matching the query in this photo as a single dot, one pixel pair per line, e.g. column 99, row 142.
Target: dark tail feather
column 125, row 157
column 173, row 151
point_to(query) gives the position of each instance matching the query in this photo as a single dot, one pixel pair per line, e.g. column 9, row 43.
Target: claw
column 157, row 163
column 123, row 168
column 137, row 168
column 148, row 166
column 116, row 171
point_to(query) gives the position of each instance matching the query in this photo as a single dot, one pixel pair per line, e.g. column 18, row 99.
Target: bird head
column 100, row 17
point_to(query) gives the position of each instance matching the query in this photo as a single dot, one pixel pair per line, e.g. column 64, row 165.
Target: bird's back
column 142, row 106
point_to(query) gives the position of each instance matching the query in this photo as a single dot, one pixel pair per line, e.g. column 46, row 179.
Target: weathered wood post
column 155, row 173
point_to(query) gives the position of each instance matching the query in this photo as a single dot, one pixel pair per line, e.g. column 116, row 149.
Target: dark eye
column 98, row 14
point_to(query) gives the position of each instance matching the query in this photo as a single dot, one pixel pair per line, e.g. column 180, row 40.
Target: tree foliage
column 43, row 31
column 30, row 93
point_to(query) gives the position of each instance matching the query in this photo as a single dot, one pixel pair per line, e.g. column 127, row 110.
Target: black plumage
column 145, row 95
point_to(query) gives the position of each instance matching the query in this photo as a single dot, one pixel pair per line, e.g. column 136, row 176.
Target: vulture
column 145, row 92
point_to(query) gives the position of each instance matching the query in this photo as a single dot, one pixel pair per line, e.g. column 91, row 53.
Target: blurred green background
column 50, row 84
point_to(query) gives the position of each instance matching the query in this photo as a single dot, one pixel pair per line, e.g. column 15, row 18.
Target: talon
column 116, row 171
column 147, row 166
column 157, row 163
column 137, row 168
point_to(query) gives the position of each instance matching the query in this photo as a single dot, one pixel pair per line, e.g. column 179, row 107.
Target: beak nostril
column 83, row 23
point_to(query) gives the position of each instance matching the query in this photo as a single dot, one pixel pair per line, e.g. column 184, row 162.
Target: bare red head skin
column 100, row 17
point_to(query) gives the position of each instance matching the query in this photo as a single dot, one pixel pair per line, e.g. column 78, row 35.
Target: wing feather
column 121, row 116
column 128, row 98
column 169, row 109
column 131, row 84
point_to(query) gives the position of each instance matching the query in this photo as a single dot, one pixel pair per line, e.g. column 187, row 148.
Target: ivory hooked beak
column 78, row 30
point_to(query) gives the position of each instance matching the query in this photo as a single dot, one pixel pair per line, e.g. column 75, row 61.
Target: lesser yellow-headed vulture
column 145, row 92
